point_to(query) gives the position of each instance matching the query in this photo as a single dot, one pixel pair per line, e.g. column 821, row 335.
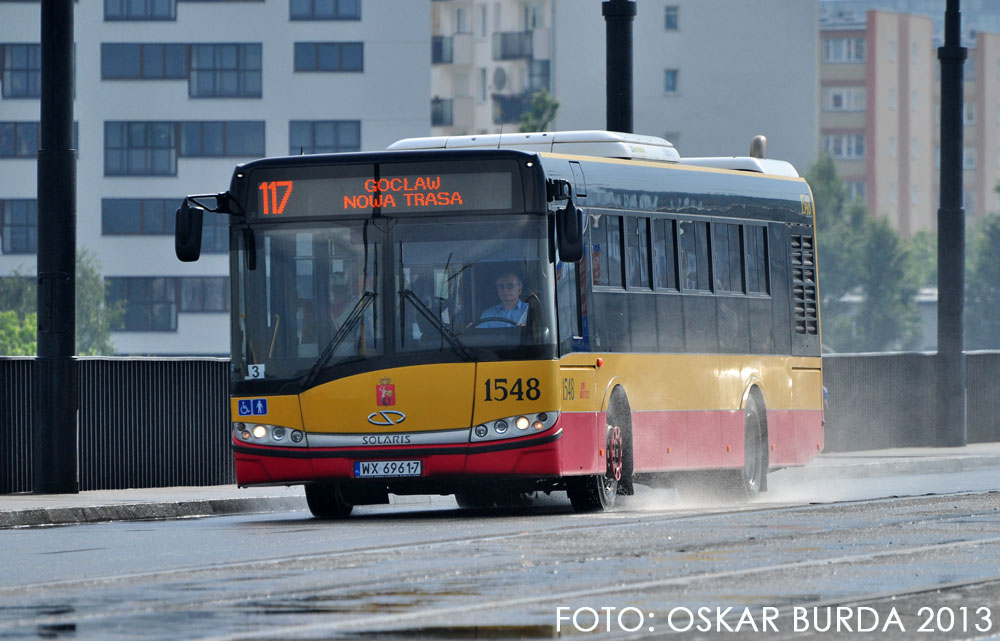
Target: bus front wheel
column 326, row 501
column 597, row 493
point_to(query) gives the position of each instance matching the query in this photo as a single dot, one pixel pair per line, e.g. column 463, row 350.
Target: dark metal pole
column 55, row 432
column 951, row 241
column 618, row 16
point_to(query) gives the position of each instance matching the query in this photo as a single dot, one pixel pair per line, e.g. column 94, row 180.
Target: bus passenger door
column 583, row 435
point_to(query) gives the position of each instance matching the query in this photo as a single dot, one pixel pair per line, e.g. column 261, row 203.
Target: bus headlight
column 273, row 435
column 501, row 428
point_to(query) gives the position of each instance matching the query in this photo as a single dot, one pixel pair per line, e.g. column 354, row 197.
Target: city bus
column 499, row 316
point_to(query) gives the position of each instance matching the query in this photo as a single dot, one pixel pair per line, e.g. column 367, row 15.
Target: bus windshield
column 325, row 296
column 473, row 286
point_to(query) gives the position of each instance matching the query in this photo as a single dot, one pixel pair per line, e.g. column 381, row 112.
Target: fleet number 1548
column 498, row 389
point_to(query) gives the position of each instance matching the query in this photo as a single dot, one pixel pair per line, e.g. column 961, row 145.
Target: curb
column 858, row 467
column 151, row 511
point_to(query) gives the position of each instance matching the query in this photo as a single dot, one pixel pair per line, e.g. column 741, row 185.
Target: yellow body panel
column 433, row 397
column 505, row 389
column 699, row 381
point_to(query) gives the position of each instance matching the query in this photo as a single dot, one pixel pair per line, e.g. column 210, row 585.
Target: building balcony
column 507, row 108
column 442, row 51
column 512, row 45
column 442, row 112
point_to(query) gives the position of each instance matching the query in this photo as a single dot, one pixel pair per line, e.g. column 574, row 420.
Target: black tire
column 475, row 500
column 597, row 493
column 749, row 480
column 326, row 501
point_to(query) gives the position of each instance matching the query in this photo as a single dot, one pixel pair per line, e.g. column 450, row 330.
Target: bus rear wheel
column 748, row 481
column 597, row 493
column 326, row 501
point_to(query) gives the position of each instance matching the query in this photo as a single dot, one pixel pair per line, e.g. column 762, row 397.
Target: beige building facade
column 880, row 115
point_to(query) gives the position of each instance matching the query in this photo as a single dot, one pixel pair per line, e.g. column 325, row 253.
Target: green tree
column 838, row 234
column 17, row 335
column 541, row 113
column 859, row 256
column 923, row 249
column 888, row 319
column 982, row 301
column 94, row 317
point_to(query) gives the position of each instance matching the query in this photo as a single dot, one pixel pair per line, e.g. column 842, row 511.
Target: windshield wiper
column 436, row 322
column 352, row 319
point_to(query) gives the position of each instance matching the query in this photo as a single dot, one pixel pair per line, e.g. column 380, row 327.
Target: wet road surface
column 891, row 557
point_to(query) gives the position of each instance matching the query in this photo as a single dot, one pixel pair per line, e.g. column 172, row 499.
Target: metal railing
column 160, row 422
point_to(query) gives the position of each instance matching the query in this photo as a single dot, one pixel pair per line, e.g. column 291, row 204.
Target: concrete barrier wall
column 158, row 422
column 880, row 401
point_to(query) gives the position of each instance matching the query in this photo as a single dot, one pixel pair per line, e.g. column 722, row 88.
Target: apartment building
column 881, row 97
column 709, row 74
column 169, row 96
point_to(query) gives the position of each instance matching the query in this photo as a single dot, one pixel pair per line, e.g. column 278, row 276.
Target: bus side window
column 664, row 254
column 695, row 266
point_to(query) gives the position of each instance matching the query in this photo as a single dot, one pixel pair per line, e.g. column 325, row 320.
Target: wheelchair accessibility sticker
column 253, row 407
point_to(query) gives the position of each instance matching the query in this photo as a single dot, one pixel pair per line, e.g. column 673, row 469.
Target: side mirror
column 187, row 232
column 569, row 233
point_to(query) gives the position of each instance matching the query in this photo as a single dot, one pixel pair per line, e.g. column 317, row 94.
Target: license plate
column 383, row 469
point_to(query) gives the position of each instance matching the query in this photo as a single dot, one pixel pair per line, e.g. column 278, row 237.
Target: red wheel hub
column 615, row 454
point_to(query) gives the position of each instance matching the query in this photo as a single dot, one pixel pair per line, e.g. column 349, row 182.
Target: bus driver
column 512, row 310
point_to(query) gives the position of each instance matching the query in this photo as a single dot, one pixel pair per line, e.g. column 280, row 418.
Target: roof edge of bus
column 597, row 143
column 745, row 163
column 591, row 142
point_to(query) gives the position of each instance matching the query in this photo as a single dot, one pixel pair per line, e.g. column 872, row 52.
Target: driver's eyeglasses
column 507, row 285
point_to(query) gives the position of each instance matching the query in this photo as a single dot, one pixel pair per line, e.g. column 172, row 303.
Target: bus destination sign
column 311, row 196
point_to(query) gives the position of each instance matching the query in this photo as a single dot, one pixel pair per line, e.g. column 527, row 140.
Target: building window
column 968, row 158
column 143, row 61
column 461, row 21
column 225, row 71
column 323, row 136
column 670, row 21
column 135, row 216
column 969, row 113
column 914, row 195
column 914, row 148
column 205, row 294
column 856, row 189
column 140, row 148
column 217, row 139
column 969, row 203
column 892, row 51
column 150, row 303
column 841, row 50
column 22, row 70
column 892, row 99
column 892, row 146
column 329, row 56
column 968, row 69
column 844, row 99
column 670, row 78
column 325, row 10
column 20, row 225
column 914, row 100
column 846, row 146
column 140, row 10
column 215, row 234
column 18, row 139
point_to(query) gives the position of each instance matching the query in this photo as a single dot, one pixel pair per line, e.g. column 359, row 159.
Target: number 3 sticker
column 255, row 371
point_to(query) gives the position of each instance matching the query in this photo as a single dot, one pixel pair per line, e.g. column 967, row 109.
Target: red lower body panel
column 662, row 441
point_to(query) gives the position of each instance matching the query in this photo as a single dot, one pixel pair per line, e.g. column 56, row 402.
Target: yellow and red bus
column 655, row 316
